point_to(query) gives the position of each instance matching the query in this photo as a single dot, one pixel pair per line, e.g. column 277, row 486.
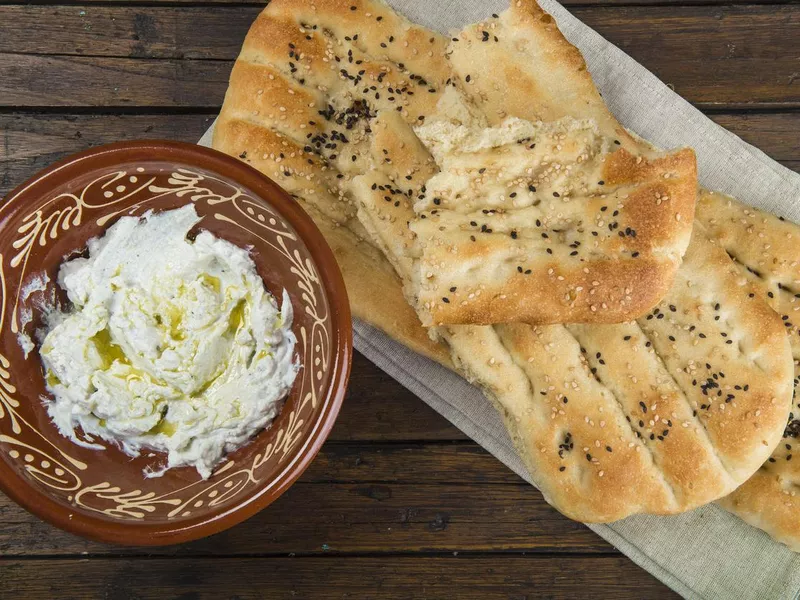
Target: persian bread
column 658, row 415
column 310, row 76
column 767, row 251
column 560, row 217
column 545, row 222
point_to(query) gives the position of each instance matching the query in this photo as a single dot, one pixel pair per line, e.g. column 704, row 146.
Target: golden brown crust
column 292, row 111
column 660, row 393
column 767, row 244
column 542, row 251
column 605, row 294
column 765, row 249
column 737, row 342
column 668, row 473
column 378, row 297
column 770, row 501
column 657, row 413
column 555, row 417
column 565, row 166
column 611, row 259
column 549, row 75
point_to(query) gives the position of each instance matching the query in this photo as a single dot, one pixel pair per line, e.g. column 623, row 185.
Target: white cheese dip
column 171, row 344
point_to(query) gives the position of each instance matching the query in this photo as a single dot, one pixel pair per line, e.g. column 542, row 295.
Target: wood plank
column 727, row 34
column 31, row 142
column 462, row 462
column 706, row 53
column 38, row 81
column 714, row 56
column 378, row 408
column 776, row 134
column 464, row 577
column 351, row 518
column 128, row 32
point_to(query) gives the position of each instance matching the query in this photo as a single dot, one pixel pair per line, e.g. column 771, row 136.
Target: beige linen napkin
column 707, row 553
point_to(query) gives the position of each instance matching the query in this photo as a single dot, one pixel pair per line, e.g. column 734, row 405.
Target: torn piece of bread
column 545, row 222
column 658, row 415
column 547, row 210
column 302, row 104
column 520, row 64
column 302, row 93
column 767, row 252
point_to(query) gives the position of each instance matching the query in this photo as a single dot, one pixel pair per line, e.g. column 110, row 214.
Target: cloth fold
column 707, row 553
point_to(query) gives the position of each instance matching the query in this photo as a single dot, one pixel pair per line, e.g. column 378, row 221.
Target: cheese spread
column 171, row 344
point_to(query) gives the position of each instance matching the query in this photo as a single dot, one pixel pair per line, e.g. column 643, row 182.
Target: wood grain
column 127, row 32
column 42, row 81
column 463, row 577
column 128, row 56
column 352, row 518
column 702, row 33
column 378, row 408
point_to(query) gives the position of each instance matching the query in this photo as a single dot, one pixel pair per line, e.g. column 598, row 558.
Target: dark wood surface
column 399, row 504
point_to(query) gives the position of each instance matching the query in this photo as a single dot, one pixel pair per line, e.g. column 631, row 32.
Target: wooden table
column 399, row 503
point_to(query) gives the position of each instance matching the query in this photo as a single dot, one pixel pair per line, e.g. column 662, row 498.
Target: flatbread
column 301, row 93
column 545, row 222
column 658, row 416
column 767, row 251
column 574, row 200
column 293, row 113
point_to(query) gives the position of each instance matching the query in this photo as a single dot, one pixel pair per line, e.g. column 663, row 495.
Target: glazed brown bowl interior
column 104, row 494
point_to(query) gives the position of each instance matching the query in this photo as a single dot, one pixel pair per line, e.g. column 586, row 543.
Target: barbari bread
column 764, row 247
column 320, row 87
column 650, row 416
column 767, row 252
column 302, row 92
column 658, row 415
column 545, row 222
column 549, row 211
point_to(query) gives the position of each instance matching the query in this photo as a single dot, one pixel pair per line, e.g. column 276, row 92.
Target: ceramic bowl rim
column 142, row 533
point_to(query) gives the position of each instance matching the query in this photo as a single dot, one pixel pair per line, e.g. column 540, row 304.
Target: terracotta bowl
column 103, row 494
